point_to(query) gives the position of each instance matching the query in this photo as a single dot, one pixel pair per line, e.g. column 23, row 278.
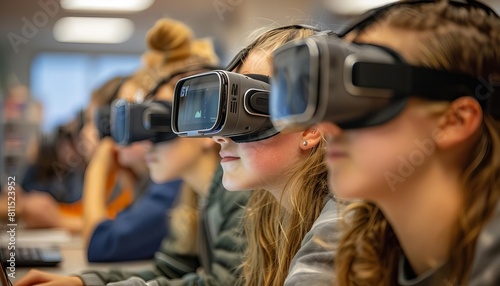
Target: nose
column 147, row 145
column 221, row 140
column 331, row 130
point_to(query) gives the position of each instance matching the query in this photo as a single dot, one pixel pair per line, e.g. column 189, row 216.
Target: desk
column 72, row 249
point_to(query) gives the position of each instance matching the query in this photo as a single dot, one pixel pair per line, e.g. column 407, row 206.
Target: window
column 63, row 82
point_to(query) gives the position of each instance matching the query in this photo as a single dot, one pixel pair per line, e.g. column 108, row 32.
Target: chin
column 232, row 184
column 230, row 187
column 351, row 192
column 235, row 183
column 158, row 179
column 342, row 189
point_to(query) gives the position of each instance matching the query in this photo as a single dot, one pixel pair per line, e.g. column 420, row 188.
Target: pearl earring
column 304, row 143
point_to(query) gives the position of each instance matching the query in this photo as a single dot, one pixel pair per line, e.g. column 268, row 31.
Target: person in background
column 53, row 183
column 121, row 171
column 102, row 97
column 57, row 172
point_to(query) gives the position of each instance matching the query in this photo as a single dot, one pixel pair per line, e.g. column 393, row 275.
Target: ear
column 312, row 136
column 461, row 122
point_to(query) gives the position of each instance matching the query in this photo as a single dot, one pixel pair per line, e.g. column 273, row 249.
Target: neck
column 423, row 213
column 281, row 194
column 199, row 176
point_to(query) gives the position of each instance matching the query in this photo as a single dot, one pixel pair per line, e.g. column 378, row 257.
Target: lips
column 227, row 157
column 335, row 154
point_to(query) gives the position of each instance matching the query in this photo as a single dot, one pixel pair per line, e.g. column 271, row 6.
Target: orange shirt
column 115, row 204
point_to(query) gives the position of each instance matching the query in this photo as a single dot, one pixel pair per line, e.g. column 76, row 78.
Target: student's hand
column 36, row 277
column 40, row 210
column 105, row 159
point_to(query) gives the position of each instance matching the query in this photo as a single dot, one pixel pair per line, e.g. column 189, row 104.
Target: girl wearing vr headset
column 429, row 177
column 290, row 207
column 205, row 241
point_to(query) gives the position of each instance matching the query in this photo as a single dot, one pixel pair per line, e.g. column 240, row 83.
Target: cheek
column 376, row 156
column 268, row 162
column 372, row 152
column 384, row 151
column 361, row 175
column 133, row 154
column 138, row 151
column 174, row 158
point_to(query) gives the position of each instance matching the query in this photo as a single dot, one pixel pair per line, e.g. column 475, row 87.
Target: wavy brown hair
column 457, row 39
column 275, row 234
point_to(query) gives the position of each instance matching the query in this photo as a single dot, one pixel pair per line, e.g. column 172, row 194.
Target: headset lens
column 198, row 103
column 294, row 83
column 120, row 123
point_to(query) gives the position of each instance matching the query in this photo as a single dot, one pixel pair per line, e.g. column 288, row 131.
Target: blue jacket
column 136, row 232
column 221, row 246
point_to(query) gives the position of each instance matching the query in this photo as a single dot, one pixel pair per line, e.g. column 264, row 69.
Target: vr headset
column 133, row 122
column 102, row 116
column 223, row 103
column 150, row 120
column 102, row 121
column 323, row 78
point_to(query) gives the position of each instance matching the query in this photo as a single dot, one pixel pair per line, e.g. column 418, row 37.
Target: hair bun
column 170, row 37
column 152, row 58
column 204, row 50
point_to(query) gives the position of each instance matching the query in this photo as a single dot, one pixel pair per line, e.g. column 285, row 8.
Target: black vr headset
column 323, row 78
column 150, row 120
column 102, row 116
column 102, row 121
column 225, row 103
column 133, row 122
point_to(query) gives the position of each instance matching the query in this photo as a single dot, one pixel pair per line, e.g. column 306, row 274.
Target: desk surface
column 72, row 250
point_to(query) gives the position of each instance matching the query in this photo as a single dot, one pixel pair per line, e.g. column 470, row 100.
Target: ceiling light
column 107, row 5
column 93, row 30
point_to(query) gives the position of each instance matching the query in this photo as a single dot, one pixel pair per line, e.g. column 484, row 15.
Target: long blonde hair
column 275, row 234
column 453, row 39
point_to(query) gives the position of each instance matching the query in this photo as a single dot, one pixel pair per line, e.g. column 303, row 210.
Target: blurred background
column 53, row 53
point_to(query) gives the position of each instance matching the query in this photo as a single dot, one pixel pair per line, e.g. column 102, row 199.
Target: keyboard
column 32, row 256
